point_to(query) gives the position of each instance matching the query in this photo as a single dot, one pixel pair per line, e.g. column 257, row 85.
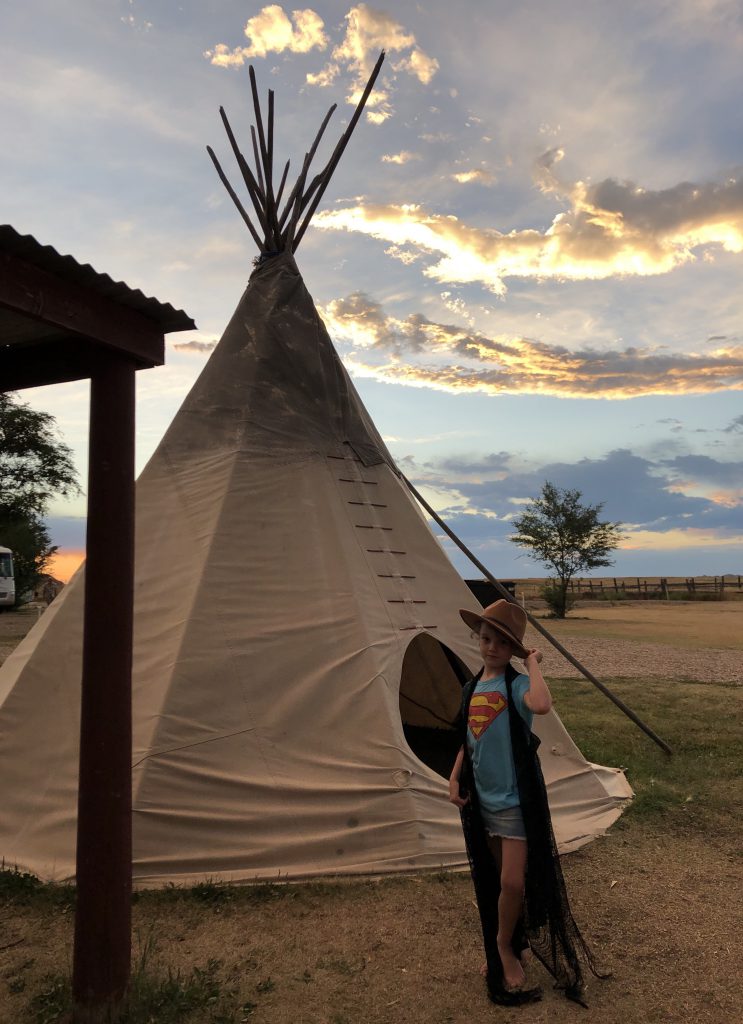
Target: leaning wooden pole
column 536, row 624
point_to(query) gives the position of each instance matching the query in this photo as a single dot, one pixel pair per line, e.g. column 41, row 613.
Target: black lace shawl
column 546, row 925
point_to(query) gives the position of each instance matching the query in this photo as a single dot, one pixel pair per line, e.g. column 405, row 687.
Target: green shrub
column 559, row 601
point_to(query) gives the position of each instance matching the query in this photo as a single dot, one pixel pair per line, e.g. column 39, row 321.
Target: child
column 497, row 784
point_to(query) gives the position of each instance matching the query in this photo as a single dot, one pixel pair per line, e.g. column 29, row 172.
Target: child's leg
column 513, row 870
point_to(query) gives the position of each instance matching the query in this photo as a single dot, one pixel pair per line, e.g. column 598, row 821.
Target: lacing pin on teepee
column 283, row 231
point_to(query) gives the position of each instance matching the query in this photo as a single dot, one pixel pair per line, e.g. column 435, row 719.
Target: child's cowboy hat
column 508, row 618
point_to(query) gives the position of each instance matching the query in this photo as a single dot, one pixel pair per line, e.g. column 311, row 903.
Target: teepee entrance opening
column 430, row 696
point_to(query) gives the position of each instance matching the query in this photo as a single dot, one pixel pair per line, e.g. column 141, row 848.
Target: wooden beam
column 33, row 292
column 53, row 361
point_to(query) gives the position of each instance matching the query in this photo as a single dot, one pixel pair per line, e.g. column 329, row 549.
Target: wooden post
column 102, row 950
column 664, row 589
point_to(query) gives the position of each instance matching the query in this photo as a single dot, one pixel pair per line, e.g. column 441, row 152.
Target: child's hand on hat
column 534, row 653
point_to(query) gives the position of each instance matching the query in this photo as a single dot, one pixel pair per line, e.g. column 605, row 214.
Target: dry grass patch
column 691, row 625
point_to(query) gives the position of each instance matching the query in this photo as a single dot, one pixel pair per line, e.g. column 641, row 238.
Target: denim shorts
column 508, row 823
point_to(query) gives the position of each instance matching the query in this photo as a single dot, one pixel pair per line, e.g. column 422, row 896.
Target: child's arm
column 454, row 796
column 538, row 697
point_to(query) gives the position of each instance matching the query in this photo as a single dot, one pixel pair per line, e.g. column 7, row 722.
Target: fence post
column 664, row 589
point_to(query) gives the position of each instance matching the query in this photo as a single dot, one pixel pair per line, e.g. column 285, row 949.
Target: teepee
column 298, row 654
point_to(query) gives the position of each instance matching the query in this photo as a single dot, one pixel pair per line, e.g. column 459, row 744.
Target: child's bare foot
column 513, row 972
column 484, row 970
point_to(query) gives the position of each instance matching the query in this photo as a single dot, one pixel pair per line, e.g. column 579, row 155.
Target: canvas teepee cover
column 296, row 629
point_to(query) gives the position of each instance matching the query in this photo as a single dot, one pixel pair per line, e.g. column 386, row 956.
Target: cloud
column 194, row 346
column 420, row 352
column 420, row 65
column 477, row 174
column 612, row 229
column 367, row 32
column 702, row 467
column 272, row 31
column 403, row 157
column 636, row 491
column 735, row 425
column 66, row 93
column 326, row 76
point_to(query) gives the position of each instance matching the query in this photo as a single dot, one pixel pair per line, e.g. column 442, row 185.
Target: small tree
column 566, row 536
column 34, row 467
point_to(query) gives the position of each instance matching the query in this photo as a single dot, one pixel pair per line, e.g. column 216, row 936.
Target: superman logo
column 484, row 709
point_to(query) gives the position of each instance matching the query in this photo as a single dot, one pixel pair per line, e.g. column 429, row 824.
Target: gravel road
column 609, row 659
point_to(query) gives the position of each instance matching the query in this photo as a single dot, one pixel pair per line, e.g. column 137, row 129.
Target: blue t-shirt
column 489, row 740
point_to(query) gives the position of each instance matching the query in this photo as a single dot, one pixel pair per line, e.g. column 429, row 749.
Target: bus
column 7, row 579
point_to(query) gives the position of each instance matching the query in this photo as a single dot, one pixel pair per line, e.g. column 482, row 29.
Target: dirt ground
column 660, row 915
column 686, row 624
column 13, row 627
column 661, row 907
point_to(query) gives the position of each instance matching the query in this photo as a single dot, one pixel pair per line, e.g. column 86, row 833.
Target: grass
column 21, row 888
column 698, row 788
column 688, row 625
column 156, row 995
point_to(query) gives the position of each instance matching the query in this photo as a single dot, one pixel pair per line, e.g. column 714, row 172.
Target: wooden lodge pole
column 102, row 945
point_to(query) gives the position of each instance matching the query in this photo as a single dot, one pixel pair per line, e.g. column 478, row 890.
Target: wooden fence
column 655, row 587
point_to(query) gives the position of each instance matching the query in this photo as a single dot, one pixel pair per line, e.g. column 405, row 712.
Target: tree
column 35, row 465
column 566, row 536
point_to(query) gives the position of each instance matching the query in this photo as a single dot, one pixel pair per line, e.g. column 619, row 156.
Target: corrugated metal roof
column 46, row 256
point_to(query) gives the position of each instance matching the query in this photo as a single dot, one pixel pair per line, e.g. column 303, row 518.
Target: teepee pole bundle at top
column 283, row 231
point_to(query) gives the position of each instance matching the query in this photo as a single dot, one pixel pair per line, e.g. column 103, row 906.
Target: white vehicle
column 7, row 579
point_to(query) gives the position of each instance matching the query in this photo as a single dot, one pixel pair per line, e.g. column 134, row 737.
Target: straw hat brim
column 474, row 621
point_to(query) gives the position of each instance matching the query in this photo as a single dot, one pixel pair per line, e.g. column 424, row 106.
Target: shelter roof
column 58, row 315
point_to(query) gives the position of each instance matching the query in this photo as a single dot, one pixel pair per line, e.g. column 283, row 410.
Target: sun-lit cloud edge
column 272, row 31
column 678, row 539
column 367, row 32
column 612, row 229
column 418, row 352
column 476, row 174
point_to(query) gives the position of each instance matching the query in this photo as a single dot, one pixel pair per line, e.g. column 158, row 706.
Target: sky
column 529, row 257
